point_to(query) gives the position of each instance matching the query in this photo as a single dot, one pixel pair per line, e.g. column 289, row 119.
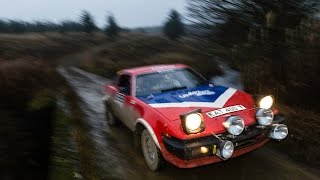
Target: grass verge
column 145, row 50
column 29, row 86
column 302, row 143
column 64, row 162
column 88, row 168
column 27, row 109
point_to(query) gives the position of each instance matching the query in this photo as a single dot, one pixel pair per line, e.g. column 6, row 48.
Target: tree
column 229, row 22
column 87, row 22
column 174, row 27
column 266, row 36
column 70, row 26
column 112, row 29
column 13, row 26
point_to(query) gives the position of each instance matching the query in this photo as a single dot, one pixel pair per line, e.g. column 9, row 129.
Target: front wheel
column 150, row 151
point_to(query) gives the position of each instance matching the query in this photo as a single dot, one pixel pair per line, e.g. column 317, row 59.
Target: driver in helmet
column 170, row 81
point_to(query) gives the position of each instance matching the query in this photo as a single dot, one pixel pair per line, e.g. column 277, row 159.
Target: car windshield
column 154, row 83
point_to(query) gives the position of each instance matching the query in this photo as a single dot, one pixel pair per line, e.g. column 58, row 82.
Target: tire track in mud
column 117, row 159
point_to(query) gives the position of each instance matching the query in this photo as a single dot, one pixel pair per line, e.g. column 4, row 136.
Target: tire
column 111, row 119
column 150, row 151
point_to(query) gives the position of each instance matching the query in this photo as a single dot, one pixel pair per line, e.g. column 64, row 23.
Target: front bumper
column 192, row 149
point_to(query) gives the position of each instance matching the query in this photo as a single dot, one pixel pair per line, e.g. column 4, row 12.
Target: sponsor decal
column 197, row 93
column 226, row 110
column 216, row 100
column 164, row 68
column 120, row 97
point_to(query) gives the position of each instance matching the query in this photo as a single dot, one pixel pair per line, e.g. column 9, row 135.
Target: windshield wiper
column 174, row 88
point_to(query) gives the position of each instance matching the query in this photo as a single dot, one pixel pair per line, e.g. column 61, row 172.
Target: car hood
column 206, row 97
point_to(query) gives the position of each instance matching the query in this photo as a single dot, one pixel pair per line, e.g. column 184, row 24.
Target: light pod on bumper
column 266, row 102
column 279, row 131
column 264, row 116
column 226, row 149
column 192, row 122
column 234, row 125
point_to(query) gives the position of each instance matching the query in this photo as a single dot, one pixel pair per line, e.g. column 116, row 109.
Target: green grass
column 63, row 163
column 72, row 152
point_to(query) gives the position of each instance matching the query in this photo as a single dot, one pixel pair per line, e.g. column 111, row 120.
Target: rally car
column 178, row 116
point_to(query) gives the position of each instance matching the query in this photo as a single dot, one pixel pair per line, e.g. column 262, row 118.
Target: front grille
column 248, row 142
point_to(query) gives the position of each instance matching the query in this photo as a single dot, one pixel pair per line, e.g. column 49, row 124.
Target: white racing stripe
column 224, row 97
column 218, row 103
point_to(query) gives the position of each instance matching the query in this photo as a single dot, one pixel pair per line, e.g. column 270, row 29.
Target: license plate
column 226, row 110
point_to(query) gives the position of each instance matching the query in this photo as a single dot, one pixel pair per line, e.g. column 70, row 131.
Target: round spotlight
column 279, row 131
column 264, row 116
column 234, row 125
column 226, row 149
column 266, row 102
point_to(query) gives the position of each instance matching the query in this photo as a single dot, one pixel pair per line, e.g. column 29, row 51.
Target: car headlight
column 234, row 125
column 264, row 116
column 278, row 131
column 266, row 102
column 192, row 122
column 226, row 149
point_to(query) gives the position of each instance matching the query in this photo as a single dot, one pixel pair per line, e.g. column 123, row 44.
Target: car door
column 122, row 100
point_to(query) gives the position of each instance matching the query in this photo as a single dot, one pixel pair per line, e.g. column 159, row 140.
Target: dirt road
column 117, row 159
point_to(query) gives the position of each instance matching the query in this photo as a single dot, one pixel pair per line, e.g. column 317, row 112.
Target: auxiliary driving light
column 266, row 102
column 264, row 116
column 279, row 131
column 234, row 125
column 204, row 150
column 226, row 149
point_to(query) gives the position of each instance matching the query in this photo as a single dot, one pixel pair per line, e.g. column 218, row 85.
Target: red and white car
column 178, row 116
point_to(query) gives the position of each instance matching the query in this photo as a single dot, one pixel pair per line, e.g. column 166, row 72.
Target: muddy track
column 117, row 159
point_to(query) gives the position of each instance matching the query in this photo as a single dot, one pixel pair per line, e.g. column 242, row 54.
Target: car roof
column 151, row 69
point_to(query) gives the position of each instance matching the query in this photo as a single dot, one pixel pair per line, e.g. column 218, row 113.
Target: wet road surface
column 117, row 159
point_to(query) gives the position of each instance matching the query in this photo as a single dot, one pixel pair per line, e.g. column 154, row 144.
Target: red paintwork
column 167, row 121
column 110, row 89
column 275, row 111
column 213, row 125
